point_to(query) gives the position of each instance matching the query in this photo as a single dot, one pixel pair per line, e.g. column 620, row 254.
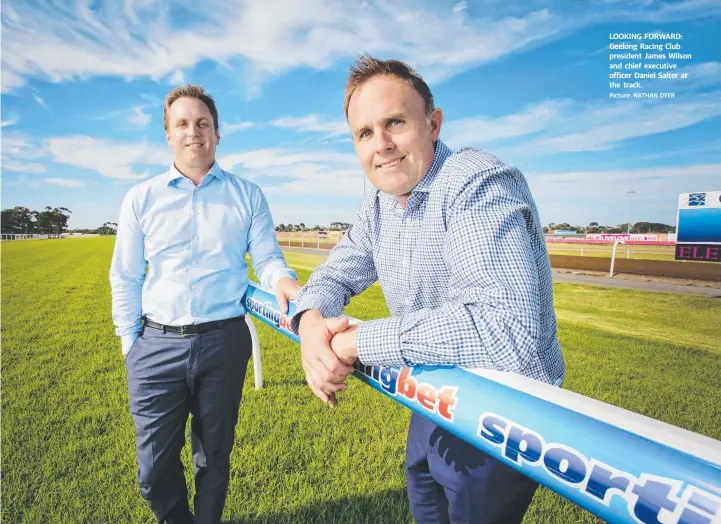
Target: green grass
column 68, row 441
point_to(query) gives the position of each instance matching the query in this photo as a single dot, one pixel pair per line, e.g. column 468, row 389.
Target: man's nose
column 383, row 141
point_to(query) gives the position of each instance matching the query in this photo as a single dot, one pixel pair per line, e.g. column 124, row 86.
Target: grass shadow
column 385, row 506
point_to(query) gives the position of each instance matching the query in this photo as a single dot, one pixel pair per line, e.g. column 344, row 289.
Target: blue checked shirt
column 194, row 241
column 463, row 268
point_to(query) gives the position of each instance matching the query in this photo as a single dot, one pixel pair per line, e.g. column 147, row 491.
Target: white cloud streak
column 140, row 118
column 65, row 182
column 558, row 126
column 228, row 129
column 111, row 159
column 138, row 39
column 299, row 172
column 312, row 124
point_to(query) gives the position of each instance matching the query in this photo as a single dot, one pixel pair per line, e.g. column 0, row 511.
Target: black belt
column 192, row 329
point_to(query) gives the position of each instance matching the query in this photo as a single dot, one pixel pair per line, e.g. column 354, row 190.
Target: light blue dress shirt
column 194, row 241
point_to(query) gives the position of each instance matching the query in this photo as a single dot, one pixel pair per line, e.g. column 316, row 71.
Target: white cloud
column 139, row 40
column 312, row 124
column 228, row 129
column 40, row 101
column 556, row 126
column 65, row 182
column 140, row 118
column 11, row 121
column 460, row 7
column 480, row 130
column 582, row 196
column 597, row 127
column 110, row 159
column 23, row 167
column 299, row 172
column 176, row 78
column 643, row 176
column 20, row 153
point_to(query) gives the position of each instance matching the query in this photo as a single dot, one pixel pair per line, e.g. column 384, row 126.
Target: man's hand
column 324, row 371
column 285, row 291
column 345, row 344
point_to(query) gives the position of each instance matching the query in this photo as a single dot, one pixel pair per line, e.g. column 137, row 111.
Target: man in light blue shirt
column 181, row 323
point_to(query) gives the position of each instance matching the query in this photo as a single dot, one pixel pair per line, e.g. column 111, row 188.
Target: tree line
column 20, row 220
column 334, row 226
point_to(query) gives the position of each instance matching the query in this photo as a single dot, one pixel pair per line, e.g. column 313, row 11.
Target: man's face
column 392, row 137
column 191, row 133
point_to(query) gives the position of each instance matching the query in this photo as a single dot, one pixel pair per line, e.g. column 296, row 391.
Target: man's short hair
column 366, row 67
column 193, row 92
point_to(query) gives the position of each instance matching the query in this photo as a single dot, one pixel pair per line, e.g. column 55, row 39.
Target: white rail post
column 257, row 370
column 302, row 241
column 581, row 249
column 318, row 241
column 613, row 258
column 288, row 239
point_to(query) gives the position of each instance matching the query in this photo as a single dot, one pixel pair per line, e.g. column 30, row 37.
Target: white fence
column 13, row 236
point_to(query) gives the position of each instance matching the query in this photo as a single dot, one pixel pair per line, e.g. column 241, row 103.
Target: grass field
column 67, row 436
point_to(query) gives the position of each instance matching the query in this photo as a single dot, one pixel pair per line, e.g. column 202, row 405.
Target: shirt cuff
column 282, row 273
column 308, row 302
column 127, row 342
column 379, row 342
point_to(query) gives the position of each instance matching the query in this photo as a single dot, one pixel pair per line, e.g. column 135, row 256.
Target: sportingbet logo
column 649, row 498
column 401, row 383
column 267, row 310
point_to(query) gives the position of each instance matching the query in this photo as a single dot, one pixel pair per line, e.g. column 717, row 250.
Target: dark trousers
column 451, row 481
column 169, row 377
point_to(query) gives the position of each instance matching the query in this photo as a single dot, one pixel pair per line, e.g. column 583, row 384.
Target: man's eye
column 394, row 121
column 365, row 134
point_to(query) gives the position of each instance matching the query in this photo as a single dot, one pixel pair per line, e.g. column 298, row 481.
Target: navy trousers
column 169, row 377
column 451, row 481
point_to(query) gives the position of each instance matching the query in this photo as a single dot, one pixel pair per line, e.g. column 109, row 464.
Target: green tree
column 18, row 220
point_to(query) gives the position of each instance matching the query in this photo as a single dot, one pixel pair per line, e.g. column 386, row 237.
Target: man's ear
column 436, row 123
column 167, row 137
column 217, row 137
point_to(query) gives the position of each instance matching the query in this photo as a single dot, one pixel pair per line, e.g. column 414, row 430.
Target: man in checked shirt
column 455, row 240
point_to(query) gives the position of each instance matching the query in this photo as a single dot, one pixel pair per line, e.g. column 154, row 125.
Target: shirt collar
column 173, row 174
column 439, row 158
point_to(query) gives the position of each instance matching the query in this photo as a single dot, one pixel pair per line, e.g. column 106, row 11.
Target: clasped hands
column 328, row 349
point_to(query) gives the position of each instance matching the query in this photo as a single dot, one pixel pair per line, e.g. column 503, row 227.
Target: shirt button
column 196, row 237
column 195, row 263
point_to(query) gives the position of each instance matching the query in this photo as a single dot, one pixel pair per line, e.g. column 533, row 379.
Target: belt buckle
column 182, row 331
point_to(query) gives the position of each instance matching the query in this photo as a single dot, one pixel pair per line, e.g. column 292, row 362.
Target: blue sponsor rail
column 619, row 465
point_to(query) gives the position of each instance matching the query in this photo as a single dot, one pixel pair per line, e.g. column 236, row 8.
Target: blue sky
column 83, row 85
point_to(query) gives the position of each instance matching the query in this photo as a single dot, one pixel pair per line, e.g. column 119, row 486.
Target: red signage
column 699, row 252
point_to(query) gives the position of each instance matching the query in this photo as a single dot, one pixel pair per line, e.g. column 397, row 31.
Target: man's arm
column 268, row 261
column 348, row 271
column 492, row 316
column 127, row 274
